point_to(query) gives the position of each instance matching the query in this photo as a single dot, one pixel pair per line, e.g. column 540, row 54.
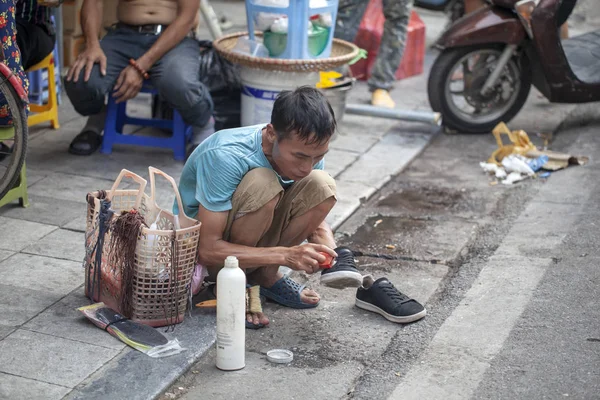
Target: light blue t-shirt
column 216, row 167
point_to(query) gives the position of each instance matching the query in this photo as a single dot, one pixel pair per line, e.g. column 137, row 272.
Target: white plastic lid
column 231, row 262
column 280, row 356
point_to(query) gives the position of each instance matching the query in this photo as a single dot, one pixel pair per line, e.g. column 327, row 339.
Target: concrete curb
column 373, row 169
column 133, row 375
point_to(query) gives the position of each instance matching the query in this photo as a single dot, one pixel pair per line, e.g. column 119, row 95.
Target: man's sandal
column 253, row 303
column 86, row 143
column 287, row 293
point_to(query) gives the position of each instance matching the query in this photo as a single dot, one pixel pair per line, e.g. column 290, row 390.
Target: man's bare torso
column 142, row 12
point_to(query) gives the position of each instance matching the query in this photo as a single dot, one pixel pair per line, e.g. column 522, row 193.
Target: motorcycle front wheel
column 456, row 80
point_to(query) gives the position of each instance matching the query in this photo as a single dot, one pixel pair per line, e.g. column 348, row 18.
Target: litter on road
column 520, row 159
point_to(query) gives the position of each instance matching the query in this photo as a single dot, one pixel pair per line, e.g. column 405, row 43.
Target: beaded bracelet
column 139, row 69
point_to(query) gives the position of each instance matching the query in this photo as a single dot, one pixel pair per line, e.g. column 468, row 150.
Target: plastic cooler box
column 298, row 45
column 369, row 38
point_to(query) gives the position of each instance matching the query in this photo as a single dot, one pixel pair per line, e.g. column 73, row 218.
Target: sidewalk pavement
column 48, row 349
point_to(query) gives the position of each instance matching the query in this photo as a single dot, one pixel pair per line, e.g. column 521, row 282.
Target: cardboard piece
column 72, row 47
column 557, row 160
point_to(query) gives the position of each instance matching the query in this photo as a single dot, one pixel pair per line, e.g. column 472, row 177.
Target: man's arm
column 130, row 80
column 213, row 249
column 175, row 33
column 91, row 15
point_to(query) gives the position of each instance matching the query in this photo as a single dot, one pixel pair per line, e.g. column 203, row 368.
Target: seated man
column 260, row 192
column 35, row 32
column 153, row 40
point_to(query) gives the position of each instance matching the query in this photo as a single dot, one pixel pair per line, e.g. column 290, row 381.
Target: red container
column 369, row 38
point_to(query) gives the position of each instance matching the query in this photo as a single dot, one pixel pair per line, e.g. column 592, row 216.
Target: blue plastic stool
column 298, row 13
column 116, row 119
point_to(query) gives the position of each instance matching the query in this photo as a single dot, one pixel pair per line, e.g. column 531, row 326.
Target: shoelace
column 390, row 290
column 346, row 259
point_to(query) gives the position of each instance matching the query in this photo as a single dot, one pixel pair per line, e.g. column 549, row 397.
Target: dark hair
column 305, row 112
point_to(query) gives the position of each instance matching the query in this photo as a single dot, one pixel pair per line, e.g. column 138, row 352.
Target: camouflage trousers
column 391, row 49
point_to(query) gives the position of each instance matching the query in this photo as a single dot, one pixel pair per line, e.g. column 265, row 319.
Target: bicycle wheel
column 13, row 139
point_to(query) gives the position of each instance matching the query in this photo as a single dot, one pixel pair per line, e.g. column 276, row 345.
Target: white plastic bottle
column 231, row 316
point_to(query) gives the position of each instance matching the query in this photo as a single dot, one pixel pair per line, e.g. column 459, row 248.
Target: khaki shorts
column 260, row 185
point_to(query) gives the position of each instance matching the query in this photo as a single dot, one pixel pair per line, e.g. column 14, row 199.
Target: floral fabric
column 12, row 55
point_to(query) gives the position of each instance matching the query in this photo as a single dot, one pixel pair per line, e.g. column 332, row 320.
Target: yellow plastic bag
column 520, row 143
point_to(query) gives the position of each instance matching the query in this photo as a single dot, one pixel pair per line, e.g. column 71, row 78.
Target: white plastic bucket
column 261, row 87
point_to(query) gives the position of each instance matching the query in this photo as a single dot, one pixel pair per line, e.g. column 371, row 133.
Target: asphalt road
column 527, row 326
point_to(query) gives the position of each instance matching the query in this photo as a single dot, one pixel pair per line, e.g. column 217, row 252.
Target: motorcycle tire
column 443, row 66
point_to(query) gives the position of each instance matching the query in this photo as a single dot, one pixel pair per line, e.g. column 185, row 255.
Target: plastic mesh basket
column 164, row 257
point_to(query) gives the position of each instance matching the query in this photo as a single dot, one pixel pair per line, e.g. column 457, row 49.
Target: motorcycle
column 454, row 9
column 490, row 58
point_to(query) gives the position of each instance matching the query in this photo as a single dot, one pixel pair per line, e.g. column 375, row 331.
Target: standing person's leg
column 349, row 16
column 34, row 42
column 177, row 77
column 88, row 98
column 397, row 17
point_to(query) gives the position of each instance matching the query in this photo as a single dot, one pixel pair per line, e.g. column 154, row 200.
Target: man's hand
column 87, row 59
column 306, row 257
column 128, row 84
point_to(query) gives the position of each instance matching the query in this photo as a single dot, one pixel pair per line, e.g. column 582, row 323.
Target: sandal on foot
column 86, row 143
column 253, row 305
column 253, row 302
column 287, row 293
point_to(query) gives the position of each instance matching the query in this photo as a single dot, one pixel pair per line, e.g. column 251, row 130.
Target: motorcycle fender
column 486, row 25
column 12, row 78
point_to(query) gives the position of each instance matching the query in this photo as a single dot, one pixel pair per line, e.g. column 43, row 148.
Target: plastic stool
column 116, row 119
column 38, row 83
column 298, row 14
column 48, row 111
column 18, row 192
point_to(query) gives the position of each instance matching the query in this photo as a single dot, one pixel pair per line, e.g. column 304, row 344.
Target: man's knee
column 181, row 87
column 87, row 97
column 259, row 188
column 317, row 190
column 320, row 181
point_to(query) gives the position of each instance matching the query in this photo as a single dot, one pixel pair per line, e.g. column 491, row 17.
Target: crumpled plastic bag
column 519, row 143
column 514, row 163
column 222, row 78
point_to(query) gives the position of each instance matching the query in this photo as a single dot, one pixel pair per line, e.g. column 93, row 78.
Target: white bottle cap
column 280, row 356
column 231, row 262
